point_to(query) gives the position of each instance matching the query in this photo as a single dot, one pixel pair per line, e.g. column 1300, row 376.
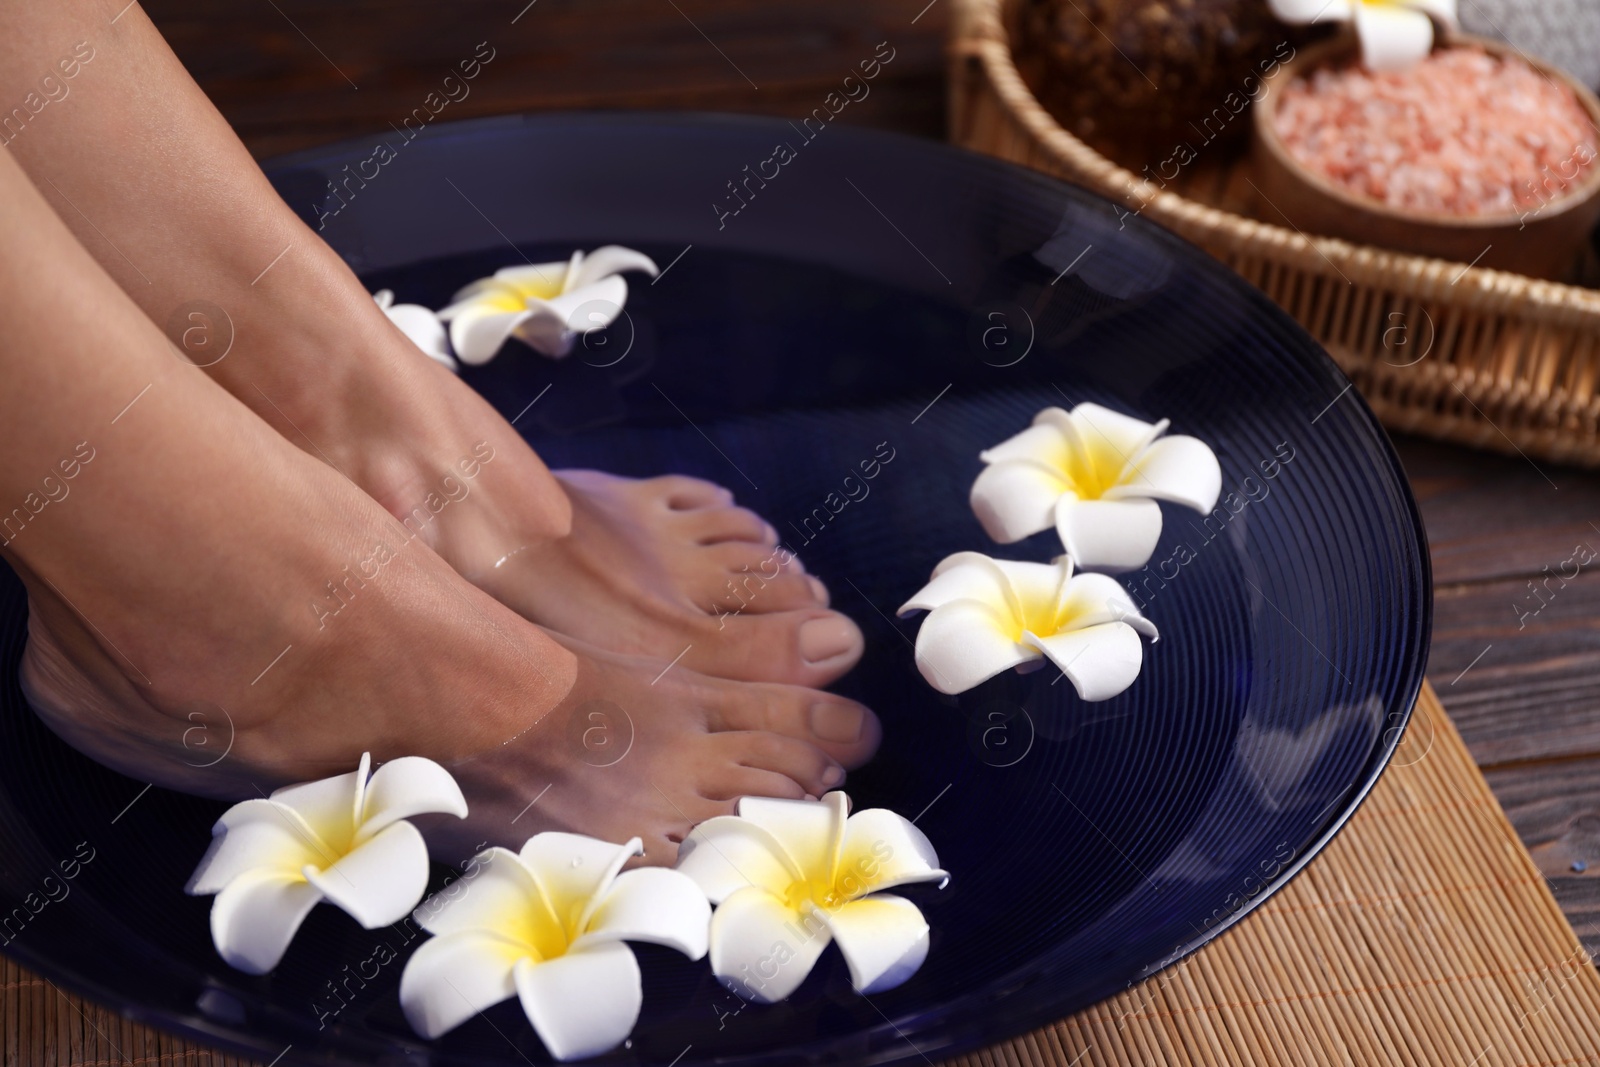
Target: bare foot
column 187, row 567
column 669, row 567
column 662, row 567
column 635, row 750
column 288, row 329
column 630, row 750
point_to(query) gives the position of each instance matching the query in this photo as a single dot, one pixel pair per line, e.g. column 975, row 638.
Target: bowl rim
column 1343, row 46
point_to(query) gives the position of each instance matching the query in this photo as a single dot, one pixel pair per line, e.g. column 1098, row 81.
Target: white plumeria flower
column 419, row 324
column 985, row 615
column 789, row 876
column 536, row 303
column 343, row 839
column 1095, row 475
column 1394, row 34
column 547, row 925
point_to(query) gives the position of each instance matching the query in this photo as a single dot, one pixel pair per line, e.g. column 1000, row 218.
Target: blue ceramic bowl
column 869, row 298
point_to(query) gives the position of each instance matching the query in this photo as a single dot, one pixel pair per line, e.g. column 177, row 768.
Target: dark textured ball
column 1131, row 76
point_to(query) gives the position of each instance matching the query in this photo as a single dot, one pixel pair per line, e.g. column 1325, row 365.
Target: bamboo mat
column 1422, row 935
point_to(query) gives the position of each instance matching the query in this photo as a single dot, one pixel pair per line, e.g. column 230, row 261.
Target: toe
column 810, row 647
column 846, row 731
column 682, row 493
column 809, row 768
column 740, row 781
column 752, row 581
column 710, row 526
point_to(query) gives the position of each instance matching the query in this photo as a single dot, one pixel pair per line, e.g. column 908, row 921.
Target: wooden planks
column 300, row 72
column 1519, row 666
column 1555, row 808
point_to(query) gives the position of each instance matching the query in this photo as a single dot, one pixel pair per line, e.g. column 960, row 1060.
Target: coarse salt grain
column 1461, row 133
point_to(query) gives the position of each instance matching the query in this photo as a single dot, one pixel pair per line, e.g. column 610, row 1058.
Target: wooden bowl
column 1542, row 241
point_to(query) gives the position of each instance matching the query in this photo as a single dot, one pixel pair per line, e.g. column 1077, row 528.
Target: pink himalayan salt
column 1462, row 133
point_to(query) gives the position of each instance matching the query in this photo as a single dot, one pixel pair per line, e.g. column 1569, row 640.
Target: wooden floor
column 1516, row 651
column 1516, row 647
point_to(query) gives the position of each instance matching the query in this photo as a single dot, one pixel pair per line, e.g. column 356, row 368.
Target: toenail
column 818, row 590
column 827, row 638
column 839, row 723
column 832, row 776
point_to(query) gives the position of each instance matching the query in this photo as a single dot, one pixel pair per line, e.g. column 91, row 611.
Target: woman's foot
column 631, row 749
column 639, row 748
column 670, row 567
column 663, row 567
column 188, row 569
column 188, row 225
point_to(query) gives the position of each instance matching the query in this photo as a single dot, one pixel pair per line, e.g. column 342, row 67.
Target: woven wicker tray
column 1479, row 357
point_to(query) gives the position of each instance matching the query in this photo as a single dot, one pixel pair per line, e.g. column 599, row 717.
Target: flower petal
column 884, row 940
column 1037, row 587
column 540, row 280
column 1300, row 12
column 255, row 835
column 328, row 805
column 655, row 905
column 1124, row 435
column 575, row 871
column 410, row 785
column 762, row 950
column 1109, row 535
column 964, row 643
column 383, row 298
column 1443, row 11
column 964, row 576
column 423, row 328
column 477, row 332
column 256, row 916
column 379, row 881
column 808, row 831
column 1100, row 661
column 611, row 259
column 1181, row 469
column 496, row 892
column 1094, row 599
column 554, row 323
column 583, row 1003
column 1017, row 498
column 450, row 979
column 725, row 854
column 883, row 849
column 1393, row 38
column 1045, row 442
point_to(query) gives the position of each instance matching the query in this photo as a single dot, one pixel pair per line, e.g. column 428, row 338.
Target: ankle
column 334, row 376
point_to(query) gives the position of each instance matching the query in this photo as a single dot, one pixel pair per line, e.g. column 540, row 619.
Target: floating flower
column 1095, row 476
column 344, row 839
column 538, row 303
column 419, row 324
column 547, row 925
column 1395, row 34
column 789, row 876
column 985, row 615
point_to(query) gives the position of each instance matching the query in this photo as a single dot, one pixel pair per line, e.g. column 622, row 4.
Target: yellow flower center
column 501, row 300
column 1091, row 470
column 541, row 288
column 540, row 931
